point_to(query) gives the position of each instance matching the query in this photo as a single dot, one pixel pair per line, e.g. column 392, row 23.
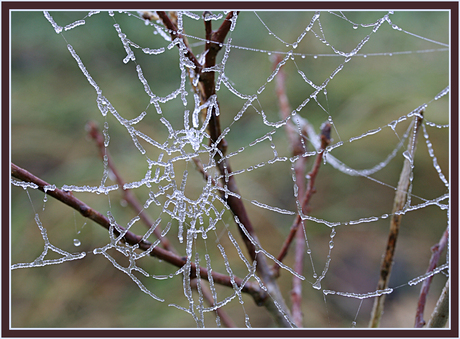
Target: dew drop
column 315, row 56
column 317, row 284
column 365, row 55
column 76, row 242
column 355, row 26
column 406, row 155
column 303, row 56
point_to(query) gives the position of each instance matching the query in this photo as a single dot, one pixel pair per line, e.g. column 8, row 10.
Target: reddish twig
column 173, row 31
column 133, row 239
column 297, row 148
column 127, row 194
column 325, row 140
column 437, row 250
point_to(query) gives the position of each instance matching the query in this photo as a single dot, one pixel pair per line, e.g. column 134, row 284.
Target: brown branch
column 206, row 90
column 325, row 140
column 133, row 239
column 437, row 250
column 173, row 31
column 398, row 206
column 127, row 194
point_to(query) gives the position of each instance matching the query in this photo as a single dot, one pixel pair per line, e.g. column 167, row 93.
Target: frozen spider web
column 185, row 179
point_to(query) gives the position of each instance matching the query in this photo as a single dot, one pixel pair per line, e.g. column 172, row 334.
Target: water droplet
column 365, row 56
column 315, row 275
column 303, row 56
column 221, row 44
column 294, row 45
column 315, row 56
column 355, row 26
column 384, row 216
column 309, row 251
column 76, row 242
column 269, row 53
column 317, row 284
column 407, row 155
column 331, row 244
column 353, row 324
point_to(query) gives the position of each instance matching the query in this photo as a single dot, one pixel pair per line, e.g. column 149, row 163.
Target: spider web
column 363, row 74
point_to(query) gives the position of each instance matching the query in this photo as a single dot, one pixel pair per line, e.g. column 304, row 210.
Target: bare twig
column 441, row 311
column 297, row 148
column 127, row 194
column 437, row 250
column 325, row 140
column 398, row 206
column 175, row 34
column 214, row 42
column 133, row 239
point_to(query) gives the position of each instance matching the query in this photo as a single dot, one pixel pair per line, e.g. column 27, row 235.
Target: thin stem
column 173, row 31
column 297, row 148
column 325, row 140
column 398, row 206
column 436, row 254
column 441, row 311
column 128, row 196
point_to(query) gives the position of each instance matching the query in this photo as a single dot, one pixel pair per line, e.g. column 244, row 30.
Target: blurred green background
column 51, row 102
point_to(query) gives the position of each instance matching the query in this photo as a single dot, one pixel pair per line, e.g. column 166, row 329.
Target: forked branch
column 207, row 89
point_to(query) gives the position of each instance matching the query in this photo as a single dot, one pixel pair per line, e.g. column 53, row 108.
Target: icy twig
column 130, row 198
column 134, row 239
column 224, row 317
column 207, row 89
column 297, row 148
column 436, row 249
column 398, row 205
column 214, row 42
column 173, row 31
column 325, row 140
